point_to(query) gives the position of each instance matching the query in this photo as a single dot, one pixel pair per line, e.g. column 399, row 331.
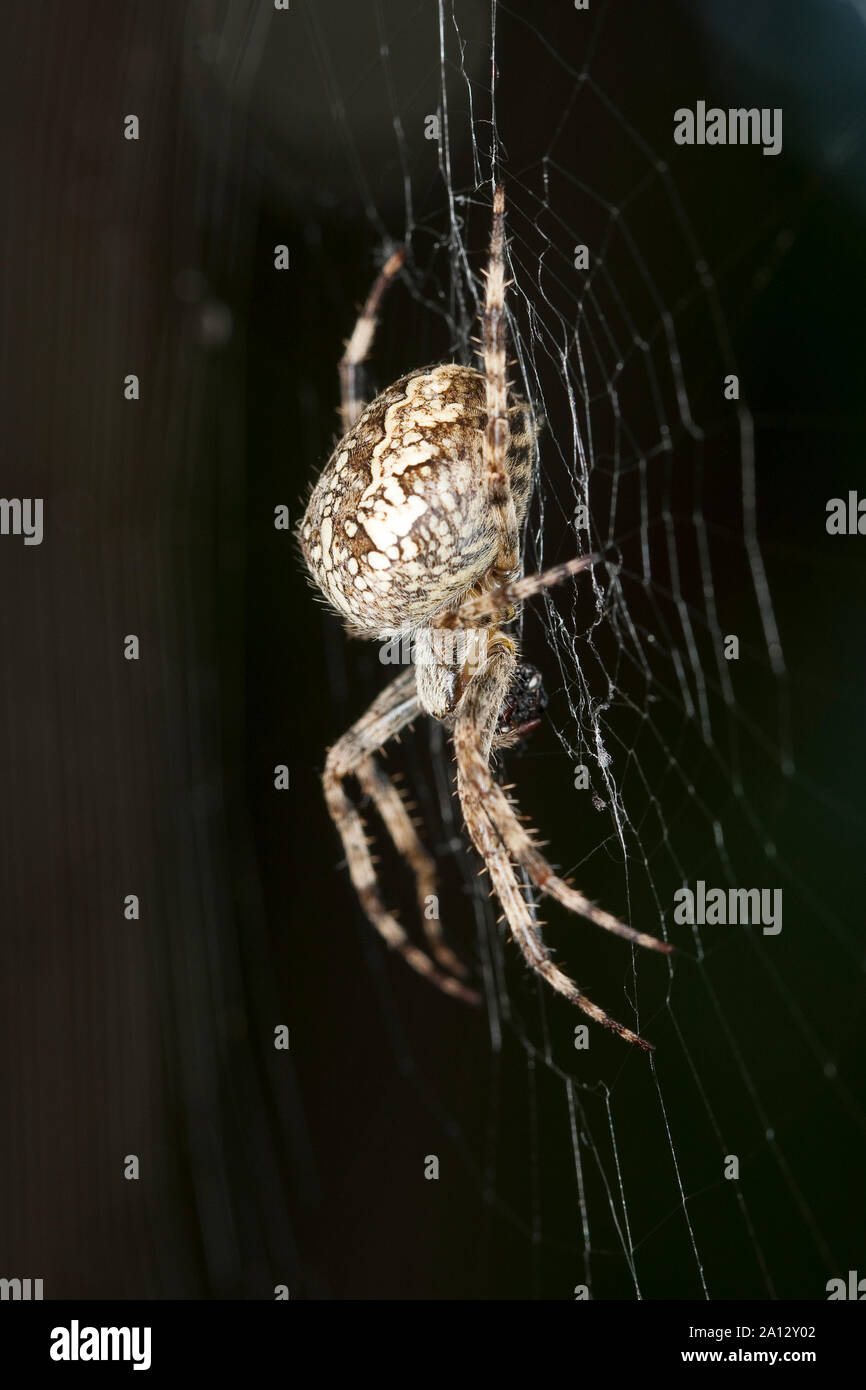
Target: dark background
column 155, row 1037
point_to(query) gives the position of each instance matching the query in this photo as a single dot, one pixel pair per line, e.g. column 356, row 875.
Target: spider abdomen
column 397, row 527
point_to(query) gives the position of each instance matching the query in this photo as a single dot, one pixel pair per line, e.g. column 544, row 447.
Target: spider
column 413, row 528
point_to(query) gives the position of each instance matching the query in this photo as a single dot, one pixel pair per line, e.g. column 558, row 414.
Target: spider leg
column 394, row 814
column 517, row 841
column 358, row 345
column 502, row 599
column 473, row 734
column 389, row 713
column 522, row 848
column 496, row 481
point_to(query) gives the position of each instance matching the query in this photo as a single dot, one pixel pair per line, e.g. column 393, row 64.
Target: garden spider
column 413, row 529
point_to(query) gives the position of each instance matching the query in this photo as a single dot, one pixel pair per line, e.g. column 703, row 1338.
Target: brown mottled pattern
column 398, row 526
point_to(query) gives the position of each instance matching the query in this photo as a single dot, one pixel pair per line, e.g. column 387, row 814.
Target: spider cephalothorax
column 413, row 529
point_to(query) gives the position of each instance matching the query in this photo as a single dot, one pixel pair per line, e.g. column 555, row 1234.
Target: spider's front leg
column 500, row 600
column 498, row 835
column 496, row 480
column 357, row 348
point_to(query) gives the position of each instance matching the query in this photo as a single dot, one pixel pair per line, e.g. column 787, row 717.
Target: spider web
column 607, row 1169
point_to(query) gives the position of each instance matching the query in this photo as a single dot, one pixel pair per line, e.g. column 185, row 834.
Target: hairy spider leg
column 395, row 816
column 500, row 601
column 496, row 481
column 390, row 712
column 492, row 823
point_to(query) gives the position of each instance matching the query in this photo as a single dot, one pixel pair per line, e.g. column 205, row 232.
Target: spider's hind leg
column 351, row 756
column 395, row 817
column 494, row 829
